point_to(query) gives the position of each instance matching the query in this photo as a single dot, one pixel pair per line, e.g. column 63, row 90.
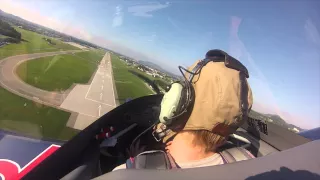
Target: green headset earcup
column 170, row 103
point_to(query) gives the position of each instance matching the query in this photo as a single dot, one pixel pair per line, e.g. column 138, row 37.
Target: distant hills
column 152, row 65
column 16, row 19
column 7, row 15
column 275, row 119
column 157, row 67
column 27, row 25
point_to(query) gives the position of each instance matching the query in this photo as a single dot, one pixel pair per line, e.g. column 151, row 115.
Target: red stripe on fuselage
column 37, row 160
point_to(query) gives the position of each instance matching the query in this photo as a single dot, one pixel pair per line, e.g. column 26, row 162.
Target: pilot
column 222, row 101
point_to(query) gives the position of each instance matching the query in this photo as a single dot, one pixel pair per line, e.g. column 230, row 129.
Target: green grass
column 151, row 78
column 58, row 73
column 34, row 43
column 26, row 117
column 127, row 84
column 3, row 36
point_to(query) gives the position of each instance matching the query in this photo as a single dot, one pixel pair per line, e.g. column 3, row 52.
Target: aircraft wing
column 19, row 154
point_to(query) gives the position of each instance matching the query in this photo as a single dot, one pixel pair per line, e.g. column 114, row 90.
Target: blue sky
column 279, row 42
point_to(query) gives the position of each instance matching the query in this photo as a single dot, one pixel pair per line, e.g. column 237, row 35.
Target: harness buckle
column 158, row 139
column 159, row 132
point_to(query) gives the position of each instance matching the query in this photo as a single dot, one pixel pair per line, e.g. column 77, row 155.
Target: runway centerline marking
column 99, row 108
column 98, row 72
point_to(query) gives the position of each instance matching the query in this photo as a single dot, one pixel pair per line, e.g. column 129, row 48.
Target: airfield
column 54, row 91
column 10, row 81
column 88, row 101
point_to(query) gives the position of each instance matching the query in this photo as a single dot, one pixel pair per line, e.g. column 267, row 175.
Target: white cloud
column 118, row 17
column 145, row 10
column 311, row 32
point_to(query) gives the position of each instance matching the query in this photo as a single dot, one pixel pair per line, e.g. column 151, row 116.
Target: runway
column 94, row 100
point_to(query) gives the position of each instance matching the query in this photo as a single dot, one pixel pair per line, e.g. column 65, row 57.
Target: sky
column 278, row 41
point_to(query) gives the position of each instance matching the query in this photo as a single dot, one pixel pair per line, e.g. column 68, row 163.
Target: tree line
column 7, row 30
column 162, row 84
column 147, row 80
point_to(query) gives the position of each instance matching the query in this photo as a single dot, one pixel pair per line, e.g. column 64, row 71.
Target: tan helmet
column 223, row 97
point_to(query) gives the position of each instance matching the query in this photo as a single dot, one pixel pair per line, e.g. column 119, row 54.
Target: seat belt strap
column 172, row 162
column 235, row 154
column 227, row 157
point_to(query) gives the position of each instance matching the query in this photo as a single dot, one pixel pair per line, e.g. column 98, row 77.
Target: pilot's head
column 223, row 98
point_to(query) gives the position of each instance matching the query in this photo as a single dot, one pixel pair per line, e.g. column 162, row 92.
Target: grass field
column 33, row 44
column 58, row 73
column 152, row 78
column 127, row 84
column 26, row 117
column 3, row 36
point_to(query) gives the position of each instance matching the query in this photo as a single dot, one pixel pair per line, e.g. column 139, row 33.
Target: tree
column 7, row 30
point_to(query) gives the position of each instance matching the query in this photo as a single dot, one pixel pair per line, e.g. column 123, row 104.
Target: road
column 10, row 81
column 89, row 102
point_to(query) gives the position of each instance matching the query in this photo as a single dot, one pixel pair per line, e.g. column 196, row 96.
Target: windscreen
column 64, row 64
